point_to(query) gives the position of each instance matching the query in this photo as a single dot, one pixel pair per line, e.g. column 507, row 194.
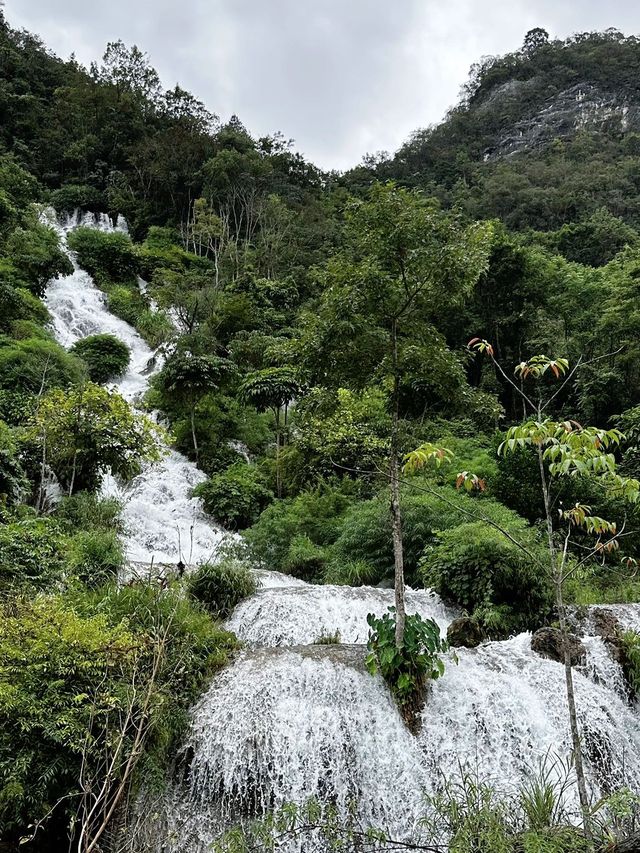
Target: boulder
column 466, row 632
column 547, row 642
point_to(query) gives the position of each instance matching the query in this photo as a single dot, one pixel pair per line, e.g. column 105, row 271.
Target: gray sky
column 341, row 77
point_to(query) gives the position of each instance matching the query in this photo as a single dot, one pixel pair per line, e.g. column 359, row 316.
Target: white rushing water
column 293, row 616
column 163, row 522
column 289, row 721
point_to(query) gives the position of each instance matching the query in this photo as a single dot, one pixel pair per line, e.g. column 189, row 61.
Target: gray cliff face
column 563, row 114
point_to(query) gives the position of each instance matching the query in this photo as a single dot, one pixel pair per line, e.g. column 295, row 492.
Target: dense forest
column 330, row 344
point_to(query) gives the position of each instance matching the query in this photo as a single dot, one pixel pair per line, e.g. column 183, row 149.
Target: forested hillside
column 324, row 346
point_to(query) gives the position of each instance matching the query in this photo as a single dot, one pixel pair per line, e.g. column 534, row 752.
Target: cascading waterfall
column 289, row 721
column 300, row 615
column 163, row 522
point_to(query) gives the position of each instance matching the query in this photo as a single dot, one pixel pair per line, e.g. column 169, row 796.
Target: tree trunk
column 556, row 575
column 278, row 472
column 193, row 432
column 396, row 515
column 573, row 717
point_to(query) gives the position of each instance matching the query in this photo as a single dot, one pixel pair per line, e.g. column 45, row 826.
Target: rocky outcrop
column 606, row 625
column 547, row 642
column 465, row 631
column 563, row 114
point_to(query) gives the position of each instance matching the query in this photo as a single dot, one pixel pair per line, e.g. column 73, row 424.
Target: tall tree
column 405, row 262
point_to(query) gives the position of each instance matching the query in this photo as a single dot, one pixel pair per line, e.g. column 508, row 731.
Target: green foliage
column 105, row 255
column 631, row 646
column 305, row 560
column 96, row 556
column 35, row 252
column 13, row 481
column 33, row 364
column 61, row 678
column 478, row 568
column 126, row 302
column 406, row 668
column 342, row 432
column 87, row 430
column 105, row 356
column 220, row 586
column 271, row 388
column 33, row 552
column 236, row 496
column 88, row 511
column 70, row 197
column 312, row 514
column 73, row 671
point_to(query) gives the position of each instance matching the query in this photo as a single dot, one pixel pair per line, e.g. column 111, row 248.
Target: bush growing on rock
column 315, row 514
column 478, row 568
column 105, row 356
column 235, row 497
column 72, row 197
column 221, row 586
column 105, row 255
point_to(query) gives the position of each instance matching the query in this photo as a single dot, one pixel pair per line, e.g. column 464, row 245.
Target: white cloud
column 342, row 77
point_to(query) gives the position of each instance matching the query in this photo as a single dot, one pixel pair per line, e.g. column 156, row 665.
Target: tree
column 405, row 263
column 35, row 251
column 273, row 388
column 535, row 39
column 562, row 449
column 189, row 377
column 87, row 430
column 106, row 356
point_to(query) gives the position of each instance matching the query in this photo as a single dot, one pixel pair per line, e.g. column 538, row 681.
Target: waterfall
column 299, row 615
column 290, row 720
column 163, row 522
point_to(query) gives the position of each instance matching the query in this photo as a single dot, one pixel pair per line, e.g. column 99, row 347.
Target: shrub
column 315, row 514
column 36, row 252
column 29, row 364
column 235, row 497
column 18, row 303
column 408, row 667
column 631, row 647
column 106, row 356
column 32, row 551
column 13, row 481
column 221, row 586
column 478, row 568
column 88, row 511
column 350, row 573
column 105, row 255
column 67, row 668
column 365, row 531
column 58, row 681
column 96, row 556
column 72, row 197
column 304, row 560
column 131, row 306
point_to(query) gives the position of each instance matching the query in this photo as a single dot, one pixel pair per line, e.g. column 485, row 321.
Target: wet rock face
column 608, row 627
column 562, row 115
column 547, row 642
column 465, row 632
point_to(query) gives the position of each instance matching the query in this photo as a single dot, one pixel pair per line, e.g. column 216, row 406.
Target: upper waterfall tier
column 299, row 615
column 163, row 522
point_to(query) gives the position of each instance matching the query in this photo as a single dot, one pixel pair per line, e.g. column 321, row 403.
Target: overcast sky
column 340, row 77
